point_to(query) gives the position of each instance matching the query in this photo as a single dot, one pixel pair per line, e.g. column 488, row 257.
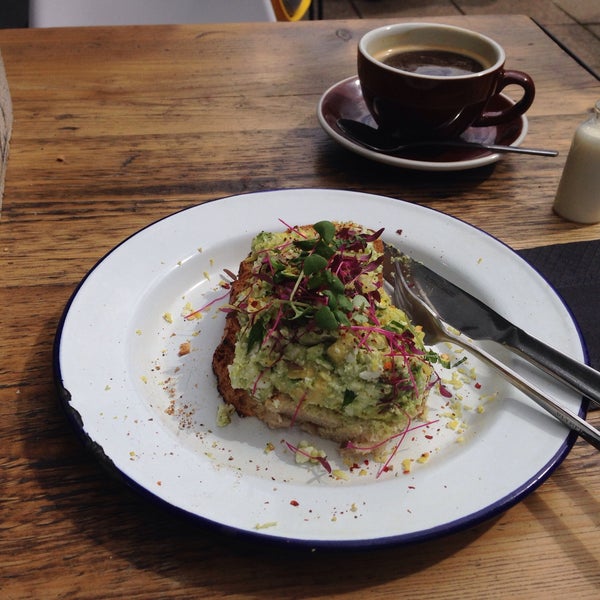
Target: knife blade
column 478, row 321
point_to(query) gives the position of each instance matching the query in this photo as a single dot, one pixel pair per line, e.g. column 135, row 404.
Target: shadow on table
column 584, row 560
column 363, row 174
column 120, row 524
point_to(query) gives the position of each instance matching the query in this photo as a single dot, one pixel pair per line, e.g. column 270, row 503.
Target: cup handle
column 514, row 110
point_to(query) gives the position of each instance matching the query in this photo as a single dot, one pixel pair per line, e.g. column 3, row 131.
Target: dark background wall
column 13, row 13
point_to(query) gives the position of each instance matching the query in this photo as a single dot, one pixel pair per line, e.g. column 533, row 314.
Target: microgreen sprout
column 195, row 313
column 314, row 278
column 322, row 460
column 400, row 436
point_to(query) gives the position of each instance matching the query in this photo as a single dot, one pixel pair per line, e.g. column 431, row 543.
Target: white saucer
column 344, row 100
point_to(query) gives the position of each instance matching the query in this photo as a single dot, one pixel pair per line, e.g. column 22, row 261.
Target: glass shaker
column 578, row 195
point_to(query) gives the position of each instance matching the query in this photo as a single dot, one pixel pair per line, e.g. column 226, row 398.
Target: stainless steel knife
column 480, row 322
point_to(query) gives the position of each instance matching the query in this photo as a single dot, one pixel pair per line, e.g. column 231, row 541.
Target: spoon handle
column 500, row 148
column 379, row 141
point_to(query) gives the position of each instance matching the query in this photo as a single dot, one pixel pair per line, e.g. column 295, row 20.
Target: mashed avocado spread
column 317, row 326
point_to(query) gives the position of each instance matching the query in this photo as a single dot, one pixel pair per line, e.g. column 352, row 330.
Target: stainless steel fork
column 436, row 330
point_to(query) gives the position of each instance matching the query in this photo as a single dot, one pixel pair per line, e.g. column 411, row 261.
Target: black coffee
column 439, row 63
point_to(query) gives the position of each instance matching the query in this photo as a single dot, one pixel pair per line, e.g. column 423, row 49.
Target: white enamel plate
column 135, row 375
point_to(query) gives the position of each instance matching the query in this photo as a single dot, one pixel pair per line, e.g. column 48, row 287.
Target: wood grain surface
column 115, row 128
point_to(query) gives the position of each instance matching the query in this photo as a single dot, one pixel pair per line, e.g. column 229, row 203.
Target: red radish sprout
column 320, row 459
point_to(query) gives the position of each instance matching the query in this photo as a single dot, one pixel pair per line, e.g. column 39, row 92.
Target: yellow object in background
column 283, row 12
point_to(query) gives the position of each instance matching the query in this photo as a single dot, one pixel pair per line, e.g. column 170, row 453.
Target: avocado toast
column 312, row 338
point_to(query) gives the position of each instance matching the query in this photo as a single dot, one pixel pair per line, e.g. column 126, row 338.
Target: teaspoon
column 379, row 141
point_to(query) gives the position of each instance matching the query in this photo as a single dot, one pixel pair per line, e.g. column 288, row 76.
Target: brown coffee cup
column 433, row 81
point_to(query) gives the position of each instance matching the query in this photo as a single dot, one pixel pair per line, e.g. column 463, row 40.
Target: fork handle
column 578, row 376
column 564, row 415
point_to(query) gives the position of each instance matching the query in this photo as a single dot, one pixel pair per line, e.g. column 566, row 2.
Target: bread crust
column 223, row 356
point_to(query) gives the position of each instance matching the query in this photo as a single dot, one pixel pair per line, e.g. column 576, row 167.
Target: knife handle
column 577, row 375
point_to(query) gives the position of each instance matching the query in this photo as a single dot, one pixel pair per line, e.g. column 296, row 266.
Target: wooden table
column 116, row 128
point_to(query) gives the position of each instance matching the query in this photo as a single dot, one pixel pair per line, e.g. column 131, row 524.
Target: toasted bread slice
column 358, row 376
